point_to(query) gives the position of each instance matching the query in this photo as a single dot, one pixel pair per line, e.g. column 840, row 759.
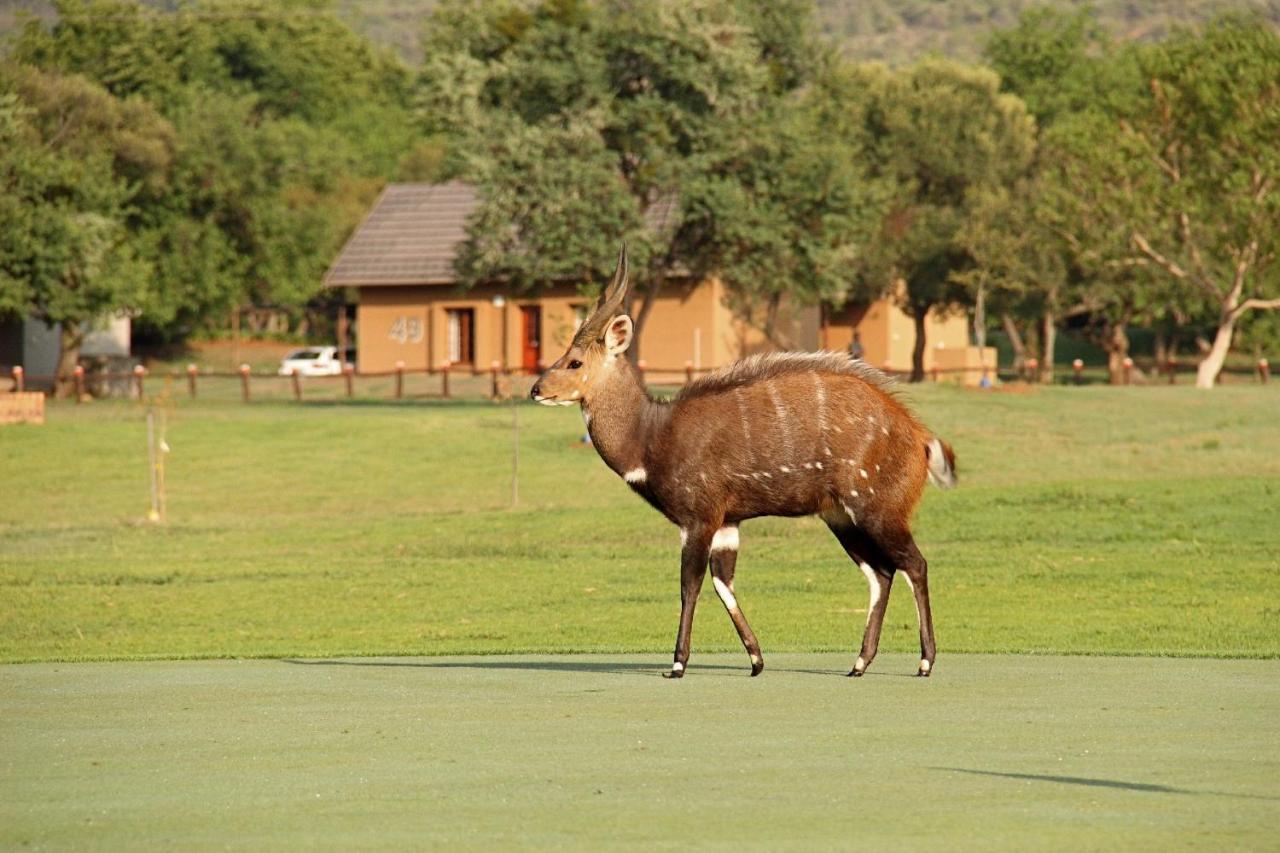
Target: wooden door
column 530, row 337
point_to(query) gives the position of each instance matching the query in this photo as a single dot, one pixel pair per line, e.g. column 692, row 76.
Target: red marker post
column 1033, row 369
column 78, row 373
column 1128, row 370
column 19, row 379
column 192, row 372
column 139, row 372
column 1264, row 371
column 1077, row 367
column 244, row 382
column 399, row 380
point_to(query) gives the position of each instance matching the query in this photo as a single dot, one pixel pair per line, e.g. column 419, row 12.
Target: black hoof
column 922, row 673
column 757, row 668
column 855, row 673
column 675, row 673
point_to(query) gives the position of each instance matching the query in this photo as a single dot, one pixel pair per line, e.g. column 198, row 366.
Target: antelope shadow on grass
column 651, row 670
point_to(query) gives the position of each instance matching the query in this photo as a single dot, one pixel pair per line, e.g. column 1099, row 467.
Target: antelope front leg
column 693, row 568
column 879, row 586
column 724, row 559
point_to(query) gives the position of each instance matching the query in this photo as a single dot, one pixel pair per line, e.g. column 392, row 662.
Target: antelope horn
column 612, row 302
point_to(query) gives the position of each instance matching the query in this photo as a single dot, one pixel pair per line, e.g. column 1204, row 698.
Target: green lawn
column 1088, row 521
column 994, row 752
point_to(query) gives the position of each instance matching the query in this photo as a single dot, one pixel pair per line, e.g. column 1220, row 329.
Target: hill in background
column 893, row 31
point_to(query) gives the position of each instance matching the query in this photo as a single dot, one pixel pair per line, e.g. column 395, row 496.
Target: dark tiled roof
column 413, row 232
column 410, row 237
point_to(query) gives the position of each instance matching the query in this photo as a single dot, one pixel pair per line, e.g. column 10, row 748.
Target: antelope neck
column 622, row 417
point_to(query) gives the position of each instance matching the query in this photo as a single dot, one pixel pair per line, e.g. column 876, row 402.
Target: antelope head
column 603, row 337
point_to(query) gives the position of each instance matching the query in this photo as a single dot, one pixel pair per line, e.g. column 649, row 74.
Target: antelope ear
column 617, row 337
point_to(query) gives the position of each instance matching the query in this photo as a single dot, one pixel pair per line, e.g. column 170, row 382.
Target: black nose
column 535, row 392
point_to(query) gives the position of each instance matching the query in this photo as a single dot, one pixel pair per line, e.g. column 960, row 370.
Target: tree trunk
column 917, row 351
column 1015, row 341
column 1211, row 365
column 641, row 317
column 1048, row 342
column 1116, row 344
column 70, row 339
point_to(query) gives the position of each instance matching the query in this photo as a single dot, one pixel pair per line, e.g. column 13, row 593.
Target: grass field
column 994, row 752
column 1093, row 520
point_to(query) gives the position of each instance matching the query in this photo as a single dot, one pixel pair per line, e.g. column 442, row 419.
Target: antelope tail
column 942, row 463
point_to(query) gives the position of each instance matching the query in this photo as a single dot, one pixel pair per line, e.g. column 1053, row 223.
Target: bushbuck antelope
column 784, row 434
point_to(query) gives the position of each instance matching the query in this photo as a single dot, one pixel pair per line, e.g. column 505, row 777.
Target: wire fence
column 465, row 382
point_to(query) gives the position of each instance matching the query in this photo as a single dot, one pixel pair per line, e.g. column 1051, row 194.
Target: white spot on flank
column 726, row 594
column 818, row 465
column 726, row 539
column 853, row 492
column 884, row 430
column 863, row 473
column 703, row 476
column 635, row 475
column 784, row 469
column 871, row 490
column 877, row 469
column 808, row 465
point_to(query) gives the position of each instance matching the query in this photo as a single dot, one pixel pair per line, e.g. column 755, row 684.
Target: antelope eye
column 574, row 364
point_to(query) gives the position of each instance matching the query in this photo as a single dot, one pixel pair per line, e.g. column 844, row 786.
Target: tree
column 1173, row 187
column 287, row 124
column 72, row 161
column 641, row 91
column 943, row 133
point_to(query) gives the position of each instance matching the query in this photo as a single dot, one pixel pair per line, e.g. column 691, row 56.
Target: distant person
column 855, row 347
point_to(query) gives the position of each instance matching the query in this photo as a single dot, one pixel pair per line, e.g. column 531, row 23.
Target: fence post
column 19, row 383
column 444, row 380
column 688, row 372
column 493, row 379
column 1033, row 369
column 1077, row 367
column 348, row 374
column 297, row 384
column 138, row 373
column 1264, row 371
column 79, row 375
column 399, row 380
column 244, row 382
column 192, row 370
column 640, row 365
column 1128, row 370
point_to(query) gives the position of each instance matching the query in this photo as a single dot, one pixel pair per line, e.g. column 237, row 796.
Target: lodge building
column 411, row 308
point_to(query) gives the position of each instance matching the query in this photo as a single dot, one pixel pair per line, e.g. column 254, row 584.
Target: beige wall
column 689, row 323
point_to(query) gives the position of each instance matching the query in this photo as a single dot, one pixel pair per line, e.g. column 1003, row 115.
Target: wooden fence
column 446, row 382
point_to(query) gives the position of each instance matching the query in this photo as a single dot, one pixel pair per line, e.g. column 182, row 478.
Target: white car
column 312, row 361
